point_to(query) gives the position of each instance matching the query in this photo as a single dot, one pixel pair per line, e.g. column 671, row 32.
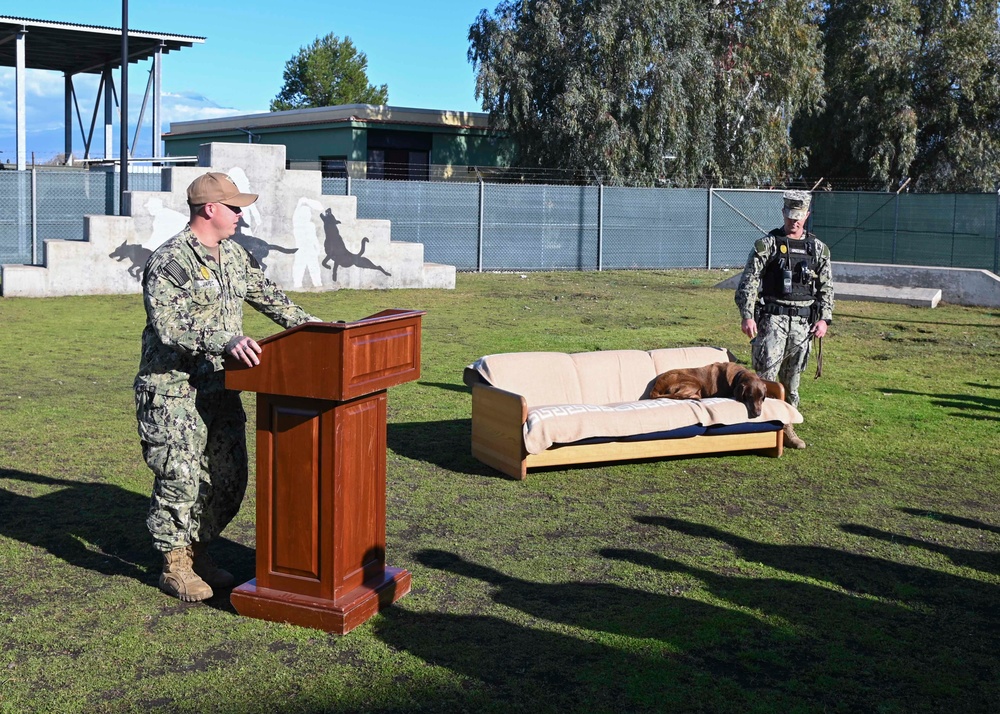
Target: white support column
column 157, row 116
column 19, row 102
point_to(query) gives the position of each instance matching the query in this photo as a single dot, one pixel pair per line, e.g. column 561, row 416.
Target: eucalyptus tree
column 870, row 123
column 648, row 90
column 606, row 87
column 768, row 70
column 328, row 72
column 957, row 96
column 911, row 91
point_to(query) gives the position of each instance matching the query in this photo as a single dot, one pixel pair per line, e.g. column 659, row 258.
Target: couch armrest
column 775, row 390
column 498, row 420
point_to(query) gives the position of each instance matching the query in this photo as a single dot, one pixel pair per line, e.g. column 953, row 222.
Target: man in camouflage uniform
column 191, row 427
column 785, row 298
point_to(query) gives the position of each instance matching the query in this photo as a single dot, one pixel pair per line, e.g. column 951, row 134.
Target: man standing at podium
column 192, row 429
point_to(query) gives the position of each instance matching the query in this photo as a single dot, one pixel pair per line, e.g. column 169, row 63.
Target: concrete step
column 917, row 297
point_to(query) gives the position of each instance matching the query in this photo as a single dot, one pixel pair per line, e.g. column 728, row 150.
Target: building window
column 399, row 155
column 398, row 165
column 333, row 166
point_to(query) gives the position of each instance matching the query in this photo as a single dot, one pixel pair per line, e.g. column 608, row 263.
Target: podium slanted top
column 335, row 360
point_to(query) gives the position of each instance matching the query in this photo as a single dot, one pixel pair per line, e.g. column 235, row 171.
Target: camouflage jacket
column 765, row 250
column 194, row 307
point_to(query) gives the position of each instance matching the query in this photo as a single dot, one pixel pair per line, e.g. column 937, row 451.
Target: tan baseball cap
column 216, row 187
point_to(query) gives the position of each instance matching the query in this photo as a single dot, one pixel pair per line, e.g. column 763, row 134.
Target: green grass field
column 859, row 575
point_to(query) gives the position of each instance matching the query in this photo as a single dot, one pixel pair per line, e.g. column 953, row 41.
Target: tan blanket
column 567, row 423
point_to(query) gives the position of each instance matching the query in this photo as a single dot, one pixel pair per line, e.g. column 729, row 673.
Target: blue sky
column 418, row 49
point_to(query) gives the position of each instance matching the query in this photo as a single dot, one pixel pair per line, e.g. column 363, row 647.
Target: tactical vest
column 792, row 272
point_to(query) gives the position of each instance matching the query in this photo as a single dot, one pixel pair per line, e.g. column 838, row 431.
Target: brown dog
column 720, row 379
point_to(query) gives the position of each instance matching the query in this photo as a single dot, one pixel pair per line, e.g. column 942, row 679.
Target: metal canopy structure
column 83, row 49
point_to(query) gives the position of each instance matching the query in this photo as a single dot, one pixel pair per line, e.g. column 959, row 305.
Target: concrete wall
column 959, row 286
column 304, row 240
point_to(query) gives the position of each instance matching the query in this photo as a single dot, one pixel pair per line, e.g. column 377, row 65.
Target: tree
column 912, row 90
column 768, row 70
column 957, row 96
column 649, row 89
column 869, row 126
column 327, row 73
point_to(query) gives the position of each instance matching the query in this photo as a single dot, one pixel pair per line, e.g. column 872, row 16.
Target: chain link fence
column 483, row 226
column 41, row 204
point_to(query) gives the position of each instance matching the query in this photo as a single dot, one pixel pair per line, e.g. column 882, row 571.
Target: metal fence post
column 600, row 225
column 479, row 237
column 34, row 215
column 996, row 238
column 895, row 231
column 348, row 184
column 708, row 235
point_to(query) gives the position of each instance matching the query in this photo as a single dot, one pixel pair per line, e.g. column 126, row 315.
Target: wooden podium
column 321, row 444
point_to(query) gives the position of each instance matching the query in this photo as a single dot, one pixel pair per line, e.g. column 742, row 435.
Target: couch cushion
column 539, row 377
column 670, row 358
column 613, row 376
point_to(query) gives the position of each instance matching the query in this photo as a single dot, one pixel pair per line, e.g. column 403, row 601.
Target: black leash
column 819, row 359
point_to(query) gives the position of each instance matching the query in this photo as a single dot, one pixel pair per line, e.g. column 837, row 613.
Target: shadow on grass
column 985, row 562
column 861, row 574
column 762, row 644
column 544, row 668
column 968, row 403
column 953, row 520
column 880, row 632
column 446, row 443
column 448, row 387
column 99, row 527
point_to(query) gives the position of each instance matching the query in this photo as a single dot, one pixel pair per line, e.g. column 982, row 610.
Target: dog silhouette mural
column 337, row 251
column 136, row 253
column 257, row 247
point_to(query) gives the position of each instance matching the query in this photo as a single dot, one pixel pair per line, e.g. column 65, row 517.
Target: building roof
column 77, row 49
column 360, row 113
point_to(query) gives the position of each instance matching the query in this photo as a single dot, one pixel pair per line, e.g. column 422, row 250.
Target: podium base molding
column 339, row 616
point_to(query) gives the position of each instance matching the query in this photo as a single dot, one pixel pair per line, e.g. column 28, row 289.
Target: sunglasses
column 234, row 209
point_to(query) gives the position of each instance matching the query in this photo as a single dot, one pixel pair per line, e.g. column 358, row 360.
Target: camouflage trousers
column 781, row 351
column 196, row 448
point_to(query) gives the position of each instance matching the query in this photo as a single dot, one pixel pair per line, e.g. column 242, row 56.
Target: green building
column 360, row 140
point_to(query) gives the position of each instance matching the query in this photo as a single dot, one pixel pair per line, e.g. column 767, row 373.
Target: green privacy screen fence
column 950, row 230
column 492, row 226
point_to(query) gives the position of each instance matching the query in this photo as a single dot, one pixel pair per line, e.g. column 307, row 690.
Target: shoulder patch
column 253, row 261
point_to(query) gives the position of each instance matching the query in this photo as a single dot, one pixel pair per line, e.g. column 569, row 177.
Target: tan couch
column 535, row 409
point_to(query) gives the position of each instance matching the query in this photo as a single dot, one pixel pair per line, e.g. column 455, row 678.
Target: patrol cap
column 215, row 187
column 796, row 204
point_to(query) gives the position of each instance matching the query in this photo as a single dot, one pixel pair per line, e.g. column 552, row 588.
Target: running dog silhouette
column 258, row 247
column 136, row 253
column 336, row 249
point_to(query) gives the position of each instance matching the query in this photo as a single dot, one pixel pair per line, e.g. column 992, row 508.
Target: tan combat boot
column 178, row 578
column 792, row 439
column 211, row 573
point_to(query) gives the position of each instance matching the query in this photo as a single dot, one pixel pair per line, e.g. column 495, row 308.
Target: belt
column 773, row 308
